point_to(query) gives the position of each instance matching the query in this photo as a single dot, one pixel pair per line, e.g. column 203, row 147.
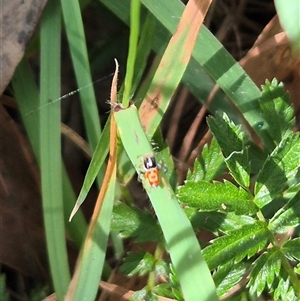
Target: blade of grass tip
column 193, row 274
column 77, row 44
column 97, row 161
column 133, row 41
column 85, row 282
column 50, row 148
column 173, row 65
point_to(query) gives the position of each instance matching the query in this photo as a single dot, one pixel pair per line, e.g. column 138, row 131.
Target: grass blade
column 133, row 40
column 192, row 271
column 76, row 38
column 27, row 96
column 50, row 149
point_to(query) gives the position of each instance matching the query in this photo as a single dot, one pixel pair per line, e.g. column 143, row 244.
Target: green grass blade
column 77, row 44
column 133, row 40
column 144, row 49
column 50, row 149
column 85, row 282
column 94, row 167
column 27, row 96
column 185, row 252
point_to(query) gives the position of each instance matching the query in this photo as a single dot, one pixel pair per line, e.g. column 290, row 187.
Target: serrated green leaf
column 162, row 268
column 163, row 289
column 290, row 296
column 228, row 276
column 216, row 196
column 279, row 171
column 232, row 141
column 210, row 221
column 288, row 216
column 291, row 249
column 133, row 222
column 151, row 297
column 222, row 272
column 236, row 245
column 255, row 284
column 277, row 111
column 139, row 295
column 233, row 222
column 282, row 288
column 265, row 269
column 138, row 263
column 272, row 268
column 210, row 165
column 217, row 221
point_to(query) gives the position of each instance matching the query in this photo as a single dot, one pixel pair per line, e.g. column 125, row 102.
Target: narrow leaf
column 96, row 163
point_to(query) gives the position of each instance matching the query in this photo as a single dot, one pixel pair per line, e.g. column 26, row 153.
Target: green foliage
column 133, row 222
column 279, row 172
column 210, row 165
column 138, row 263
column 243, row 214
column 217, row 196
column 251, row 245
